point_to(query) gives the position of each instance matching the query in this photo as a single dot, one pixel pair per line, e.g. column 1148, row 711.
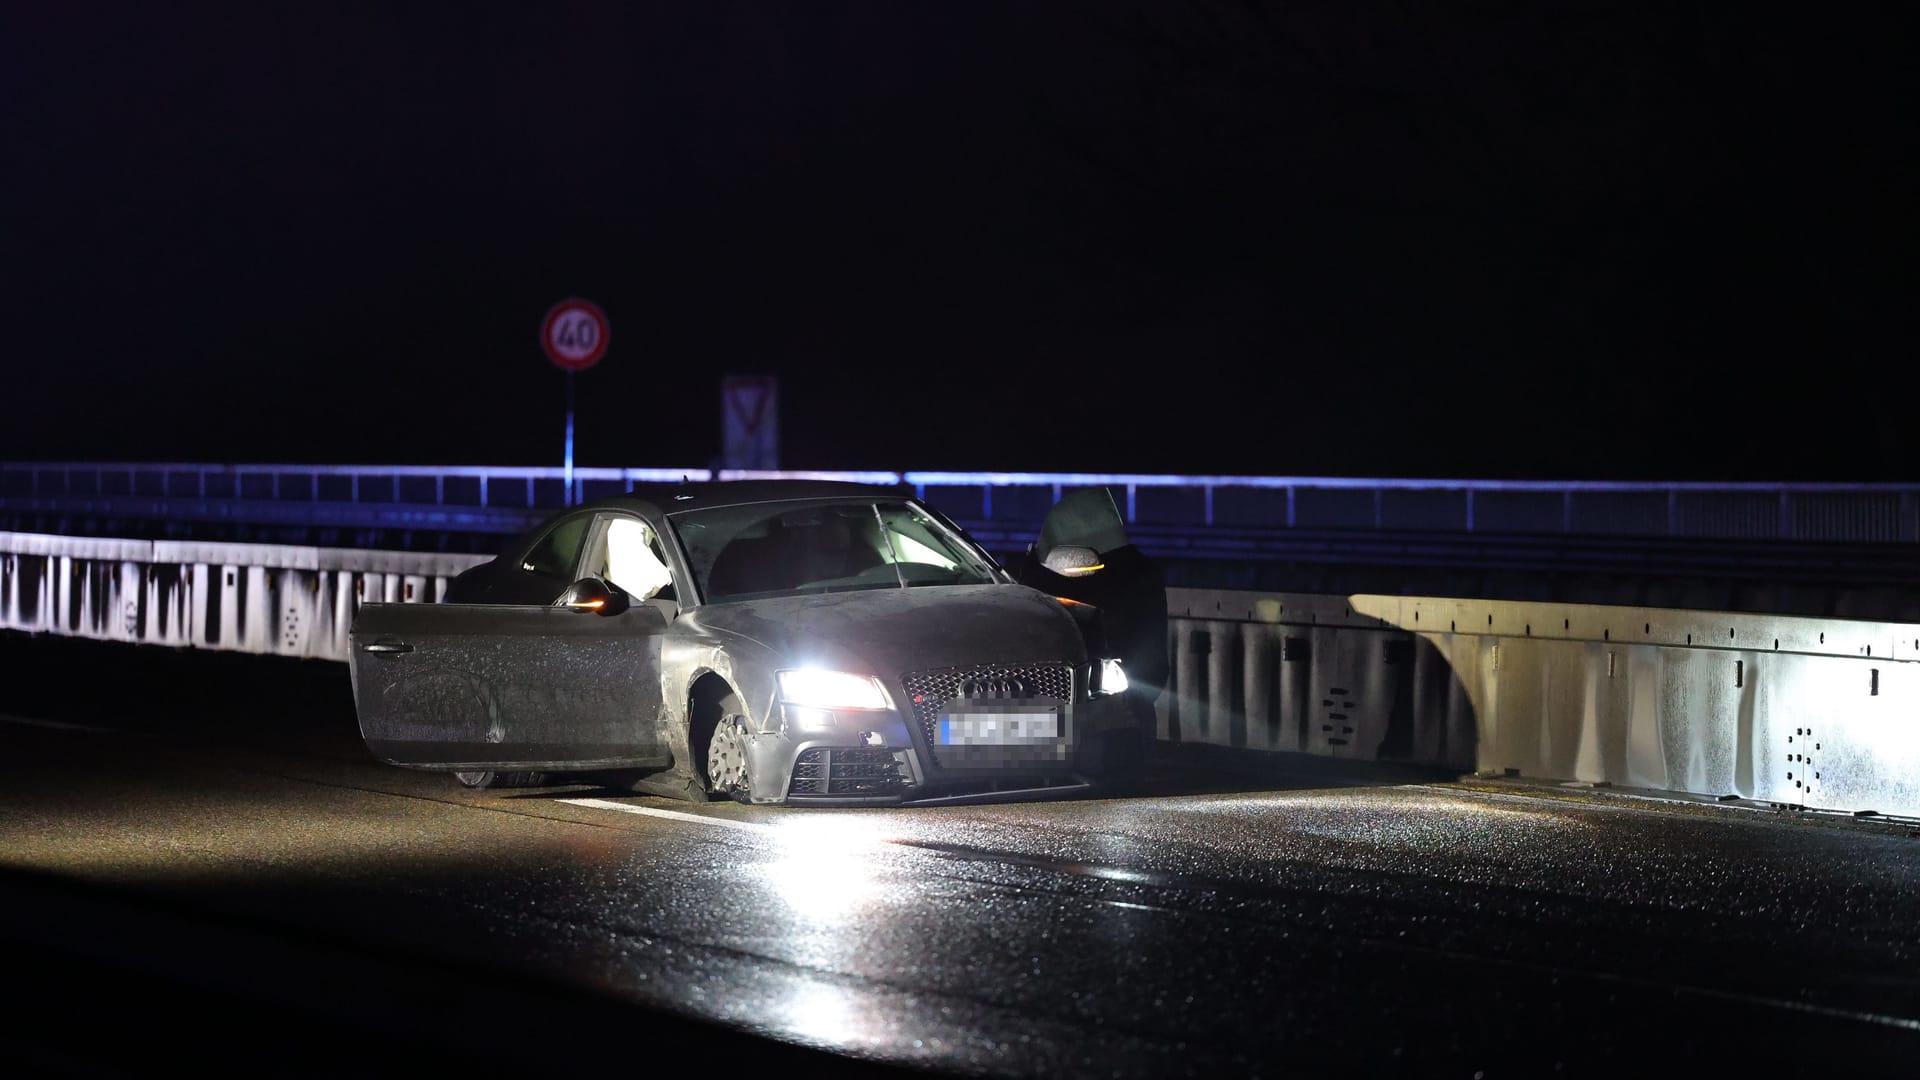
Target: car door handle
column 388, row 647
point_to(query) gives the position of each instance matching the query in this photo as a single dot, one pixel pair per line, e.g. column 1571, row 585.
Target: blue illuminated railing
column 506, row 498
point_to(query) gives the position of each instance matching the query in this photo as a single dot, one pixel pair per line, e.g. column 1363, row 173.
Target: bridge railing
column 504, row 498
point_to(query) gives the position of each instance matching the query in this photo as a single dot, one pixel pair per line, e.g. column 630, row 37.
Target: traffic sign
column 750, row 422
column 574, row 334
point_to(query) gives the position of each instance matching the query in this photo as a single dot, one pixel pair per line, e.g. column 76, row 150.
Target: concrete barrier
column 1816, row 712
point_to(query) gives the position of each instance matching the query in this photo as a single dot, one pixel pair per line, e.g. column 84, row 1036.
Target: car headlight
column 831, row 689
column 1108, row 678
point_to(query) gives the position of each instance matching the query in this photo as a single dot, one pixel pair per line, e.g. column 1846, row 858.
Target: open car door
column 509, row 686
column 1083, row 554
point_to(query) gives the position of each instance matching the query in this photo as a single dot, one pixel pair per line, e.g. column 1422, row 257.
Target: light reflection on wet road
column 1291, row 926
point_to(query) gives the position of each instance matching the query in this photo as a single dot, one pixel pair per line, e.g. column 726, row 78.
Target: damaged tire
column 728, row 771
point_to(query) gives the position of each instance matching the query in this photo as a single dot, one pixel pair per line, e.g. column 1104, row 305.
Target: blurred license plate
column 1008, row 727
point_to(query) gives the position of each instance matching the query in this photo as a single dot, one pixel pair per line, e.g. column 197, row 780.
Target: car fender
column 744, row 664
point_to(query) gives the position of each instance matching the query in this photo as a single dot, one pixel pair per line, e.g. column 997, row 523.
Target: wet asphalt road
column 1301, row 920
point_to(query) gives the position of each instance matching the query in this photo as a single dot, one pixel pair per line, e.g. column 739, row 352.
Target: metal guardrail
column 1813, row 712
column 258, row 598
column 1817, row 712
column 497, row 498
column 1809, row 549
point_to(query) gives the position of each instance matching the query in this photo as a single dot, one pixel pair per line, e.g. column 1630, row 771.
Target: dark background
column 1664, row 240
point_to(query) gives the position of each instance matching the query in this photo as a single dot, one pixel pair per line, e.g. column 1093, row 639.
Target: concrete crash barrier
column 1815, row 712
column 257, row 598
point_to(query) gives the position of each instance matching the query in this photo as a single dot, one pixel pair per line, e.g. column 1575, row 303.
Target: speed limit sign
column 574, row 334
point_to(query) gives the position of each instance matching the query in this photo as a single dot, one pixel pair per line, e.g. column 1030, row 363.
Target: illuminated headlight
column 808, row 719
column 831, row 690
column 1108, row 678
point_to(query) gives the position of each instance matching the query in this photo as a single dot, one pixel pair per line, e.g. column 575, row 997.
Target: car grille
column 849, row 770
column 928, row 690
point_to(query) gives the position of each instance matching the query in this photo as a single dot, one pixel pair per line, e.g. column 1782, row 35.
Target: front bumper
column 883, row 759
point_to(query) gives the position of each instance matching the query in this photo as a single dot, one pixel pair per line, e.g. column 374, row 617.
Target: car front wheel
column 727, row 770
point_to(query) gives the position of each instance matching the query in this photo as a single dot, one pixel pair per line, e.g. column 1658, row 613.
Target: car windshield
column 776, row 549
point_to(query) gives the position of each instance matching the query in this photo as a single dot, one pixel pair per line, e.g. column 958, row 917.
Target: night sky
column 1599, row 240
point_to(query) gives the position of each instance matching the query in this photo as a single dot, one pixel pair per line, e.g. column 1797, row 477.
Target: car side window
column 558, row 552
column 924, row 555
column 628, row 553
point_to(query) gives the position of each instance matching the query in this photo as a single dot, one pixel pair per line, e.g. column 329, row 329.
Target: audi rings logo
column 997, row 686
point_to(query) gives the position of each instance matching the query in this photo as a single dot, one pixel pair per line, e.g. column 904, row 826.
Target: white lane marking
column 26, row 721
column 675, row 815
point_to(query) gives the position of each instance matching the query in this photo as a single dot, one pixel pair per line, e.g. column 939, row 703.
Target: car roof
column 674, row 498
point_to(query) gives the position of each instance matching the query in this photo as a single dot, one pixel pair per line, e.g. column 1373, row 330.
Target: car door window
column 627, row 552
column 923, row 554
column 558, row 552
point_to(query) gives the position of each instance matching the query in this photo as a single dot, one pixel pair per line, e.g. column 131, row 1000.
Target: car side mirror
column 1071, row 561
column 592, row 594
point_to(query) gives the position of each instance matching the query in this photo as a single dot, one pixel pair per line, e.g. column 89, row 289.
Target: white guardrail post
column 1815, row 712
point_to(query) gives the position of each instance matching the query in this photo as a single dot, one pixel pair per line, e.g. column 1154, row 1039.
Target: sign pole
column 567, row 500
column 574, row 336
